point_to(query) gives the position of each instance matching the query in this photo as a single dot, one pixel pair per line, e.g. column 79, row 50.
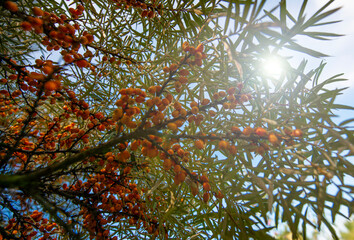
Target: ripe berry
column 195, row 110
column 297, row 133
column 233, row 150
column 200, row 48
column 173, row 67
column 199, row 144
column 273, row 139
column 172, row 126
column 11, row 6
column 261, row 132
column 51, row 85
column 37, row 11
column 206, row 197
column 235, row 129
column 166, row 69
column 206, row 186
column 167, row 164
column 247, row 131
column 82, row 63
column 183, row 72
column 185, row 46
column 26, row 26
column 223, row 145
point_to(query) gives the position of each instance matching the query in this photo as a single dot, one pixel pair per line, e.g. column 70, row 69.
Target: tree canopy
column 154, row 119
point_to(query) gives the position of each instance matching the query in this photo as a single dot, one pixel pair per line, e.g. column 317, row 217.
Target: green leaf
column 299, row 48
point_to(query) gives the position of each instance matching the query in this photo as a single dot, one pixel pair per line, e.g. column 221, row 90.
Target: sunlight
column 273, row 66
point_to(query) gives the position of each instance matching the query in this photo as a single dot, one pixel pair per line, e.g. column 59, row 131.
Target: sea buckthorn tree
column 152, row 119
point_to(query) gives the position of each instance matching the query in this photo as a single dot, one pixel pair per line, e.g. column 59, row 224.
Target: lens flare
column 273, row 66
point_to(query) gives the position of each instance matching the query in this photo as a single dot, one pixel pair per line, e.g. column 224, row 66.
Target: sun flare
column 273, row 66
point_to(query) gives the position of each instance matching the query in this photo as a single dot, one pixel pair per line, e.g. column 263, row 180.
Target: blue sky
column 341, row 51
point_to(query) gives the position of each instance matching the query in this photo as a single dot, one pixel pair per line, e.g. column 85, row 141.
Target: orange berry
column 166, row 69
column 273, row 139
column 261, row 132
column 84, row 40
column 135, row 144
column 212, row 113
column 297, row 133
column 11, row 6
column 37, row 76
column 182, row 79
column 165, row 102
column 125, row 155
column 198, row 62
column 185, row 46
column 36, row 22
column 204, row 178
column 80, row 8
column 205, row 101
column 235, row 129
column 153, row 152
column 231, row 90
column 158, row 88
column 47, row 70
column 183, row 72
column 198, row 55
column 180, row 152
column 233, row 149
column 127, row 170
column 117, row 114
column 226, row 105
column 144, row 13
column 195, row 110
column 260, row 150
column 247, row 131
column 169, row 97
column 181, row 176
column 206, row 197
column 82, row 63
column 26, row 26
column 194, row 190
column 287, row 131
column 112, row 59
column 193, row 104
column 68, row 58
column 167, row 164
column 199, row 144
column 177, row 168
column 206, row 186
column 152, row 89
column 37, row 11
column 101, row 127
column 220, row 195
column 223, row 145
column 216, row 96
column 51, row 85
column 173, row 67
column 222, row 94
column 151, row 14
column 183, row 112
column 177, row 106
column 172, row 126
column 200, row 48
column 192, row 50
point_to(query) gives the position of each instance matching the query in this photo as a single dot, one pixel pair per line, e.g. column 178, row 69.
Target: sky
column 341, row 60
column 341, row 49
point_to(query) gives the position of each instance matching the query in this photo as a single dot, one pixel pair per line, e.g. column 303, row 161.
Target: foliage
column 349, row 233
column 130, row 119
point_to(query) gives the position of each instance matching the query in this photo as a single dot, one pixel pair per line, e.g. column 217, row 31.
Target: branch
column 31, row 178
